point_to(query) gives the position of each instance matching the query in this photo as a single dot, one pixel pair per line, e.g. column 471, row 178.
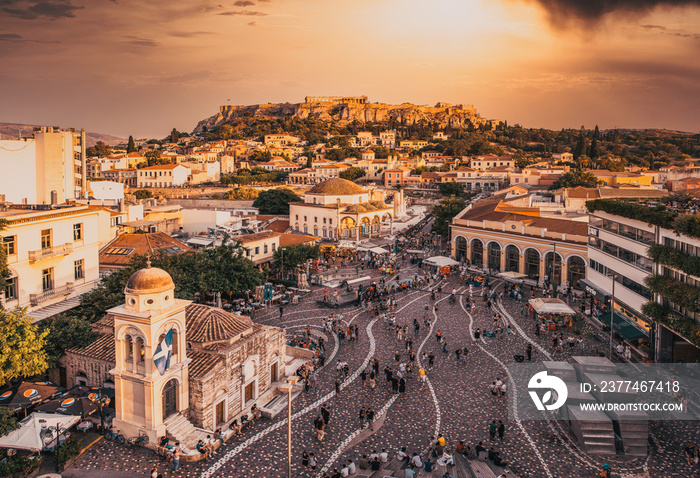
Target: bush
column 657, row 216
column 69, row 449
column 681, row 294
column 143, row 194
column 22, row 466
column 675, row 258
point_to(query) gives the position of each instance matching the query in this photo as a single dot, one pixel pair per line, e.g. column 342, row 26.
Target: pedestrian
column 363, row 376
column 493, row 428
column 305, row 460
column 337, row 387
column 326, row 414
column 281, row 311
column 402, row 386
column 477, row 335
column 312, row 461
column 362, row 418
column 177, row 452
column 372, row 380
column 528, row 351
column 431, row 361
column 422, row 376
column 501, row 430
column 370, row 418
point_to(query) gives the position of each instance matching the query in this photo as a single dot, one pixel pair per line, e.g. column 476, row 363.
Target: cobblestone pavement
column 456, row 402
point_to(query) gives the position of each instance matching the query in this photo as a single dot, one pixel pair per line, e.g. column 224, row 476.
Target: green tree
column 131, row 146
column 260, row 156
column 594, row 150
column 596, row 133
column 8, row 421
column 575, row 179
column 65, row 332
column 174, row 136
column 153, row 157
column 352, row 174
column 580, row 148
column 143, row 194
column 444, row 213
column 275, row 201
column 21, row 346
column 451, row 189
column 295, row 255
column 242, row 194
column 100, row 149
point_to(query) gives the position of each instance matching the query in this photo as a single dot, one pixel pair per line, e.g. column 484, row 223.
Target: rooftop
column 336, row 187
column 120, row 251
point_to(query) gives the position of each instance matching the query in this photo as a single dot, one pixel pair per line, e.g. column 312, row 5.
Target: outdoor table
column 84, row 426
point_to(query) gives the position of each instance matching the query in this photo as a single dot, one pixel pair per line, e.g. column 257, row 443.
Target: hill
column 349, row 109
column 14, row 130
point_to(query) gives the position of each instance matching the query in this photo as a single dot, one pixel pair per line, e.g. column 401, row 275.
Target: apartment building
column 52, row 254
column 621, row 262
column 162, row 176
column 52, row 165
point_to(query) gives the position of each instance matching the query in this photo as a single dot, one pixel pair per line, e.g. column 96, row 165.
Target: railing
column 49, row 252
column 36, row 299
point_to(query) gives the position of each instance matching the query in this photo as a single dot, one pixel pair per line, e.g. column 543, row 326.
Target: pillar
column 521, row 263
column 503, row 259
column 469, row 251
column 564, row 273
column 542, row 269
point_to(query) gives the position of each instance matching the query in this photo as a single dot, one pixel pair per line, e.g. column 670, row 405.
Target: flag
column 163, row 353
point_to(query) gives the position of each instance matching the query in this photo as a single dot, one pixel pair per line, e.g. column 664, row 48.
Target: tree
column 291, row 256
column 451, row 189
column 131, row 146
column 352, row 174
column 242, row 194
column 21, row 346
column 65, row 332
column 596, row 133
column 575, row 179
column 153, row 156
column 594, row 150
column 143, row 194
column 100, row 150
column 275, row 201
column 260, row 156
column 580, row 148
column 8, row 421
column 174, row 136
column 444, row 213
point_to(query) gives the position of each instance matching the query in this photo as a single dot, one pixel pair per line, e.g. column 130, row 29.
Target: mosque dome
column 150, row 280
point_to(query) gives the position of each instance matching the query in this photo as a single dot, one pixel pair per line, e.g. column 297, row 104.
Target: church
column 176, row 365
column 340, row 209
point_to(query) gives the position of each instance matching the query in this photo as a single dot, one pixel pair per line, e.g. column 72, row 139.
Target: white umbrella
column 28, row 435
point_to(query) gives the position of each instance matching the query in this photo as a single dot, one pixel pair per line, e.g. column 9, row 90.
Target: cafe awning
column 624, row 326
column 379, row 250
column 551, row 306
column 595, row 290
column 441, row 261
column 28, row 435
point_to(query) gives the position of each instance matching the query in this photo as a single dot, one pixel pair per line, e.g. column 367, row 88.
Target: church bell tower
column 150, row 377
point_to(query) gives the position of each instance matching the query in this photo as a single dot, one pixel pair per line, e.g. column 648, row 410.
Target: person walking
column 337, row 387
column 281, row 311
column 370, row 418
column 528, row 351
column 326, row 414
column 501, row 430
column 362, row 418
column 493, row 428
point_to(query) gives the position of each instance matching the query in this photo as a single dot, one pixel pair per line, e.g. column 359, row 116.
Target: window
column 257, row 250
column 79, row 269
column 315, row 219
column 324, row 220
column 330, row 221
column 11, row 288
column 46, row 239
column 274, row 247
column 264, row 248
column 77, row 231
column 47, row 279
column 10, row 245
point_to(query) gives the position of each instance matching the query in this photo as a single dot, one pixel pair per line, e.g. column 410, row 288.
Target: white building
column 52, row 255
column 46, row 169
column 162, row 176
column 106, row 190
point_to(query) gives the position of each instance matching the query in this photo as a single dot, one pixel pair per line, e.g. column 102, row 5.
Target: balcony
column 36, row 299
column 50, row 252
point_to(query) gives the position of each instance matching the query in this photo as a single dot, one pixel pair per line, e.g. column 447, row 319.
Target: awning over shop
column 379, row 250
column 598, row 294
column 512, row 276
column 415, row 251
column 551, row 306
column 624, row 326
column 441, row 261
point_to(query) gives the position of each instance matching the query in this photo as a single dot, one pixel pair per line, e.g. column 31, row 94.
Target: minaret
column 147, row 391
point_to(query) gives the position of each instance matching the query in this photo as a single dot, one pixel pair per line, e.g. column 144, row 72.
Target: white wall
column 107, row 190
column 195, row 221
column 18, row 166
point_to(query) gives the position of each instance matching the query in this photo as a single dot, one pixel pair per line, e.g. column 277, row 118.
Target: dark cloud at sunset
column 590, row 11
column 35, row 10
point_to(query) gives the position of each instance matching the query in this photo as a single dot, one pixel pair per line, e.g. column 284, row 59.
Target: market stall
column 514, row 283
column 551, row 313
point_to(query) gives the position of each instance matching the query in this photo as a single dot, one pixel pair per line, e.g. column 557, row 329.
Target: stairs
column 180, row 429
column 594, row 431
column 633, row 429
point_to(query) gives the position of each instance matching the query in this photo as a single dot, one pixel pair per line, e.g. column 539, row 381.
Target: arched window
column 461, row 248
column 576, row 271
column 477, row 252
column 532, row 264
column 512, row 259
column 140, row 349
column 129, row 348
column 494, row 250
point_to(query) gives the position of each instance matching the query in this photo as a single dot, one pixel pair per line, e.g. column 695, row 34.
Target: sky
column 140, row 67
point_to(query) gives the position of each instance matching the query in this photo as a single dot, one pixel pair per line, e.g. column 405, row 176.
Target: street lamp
column 47, row 438
column 290, row 384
